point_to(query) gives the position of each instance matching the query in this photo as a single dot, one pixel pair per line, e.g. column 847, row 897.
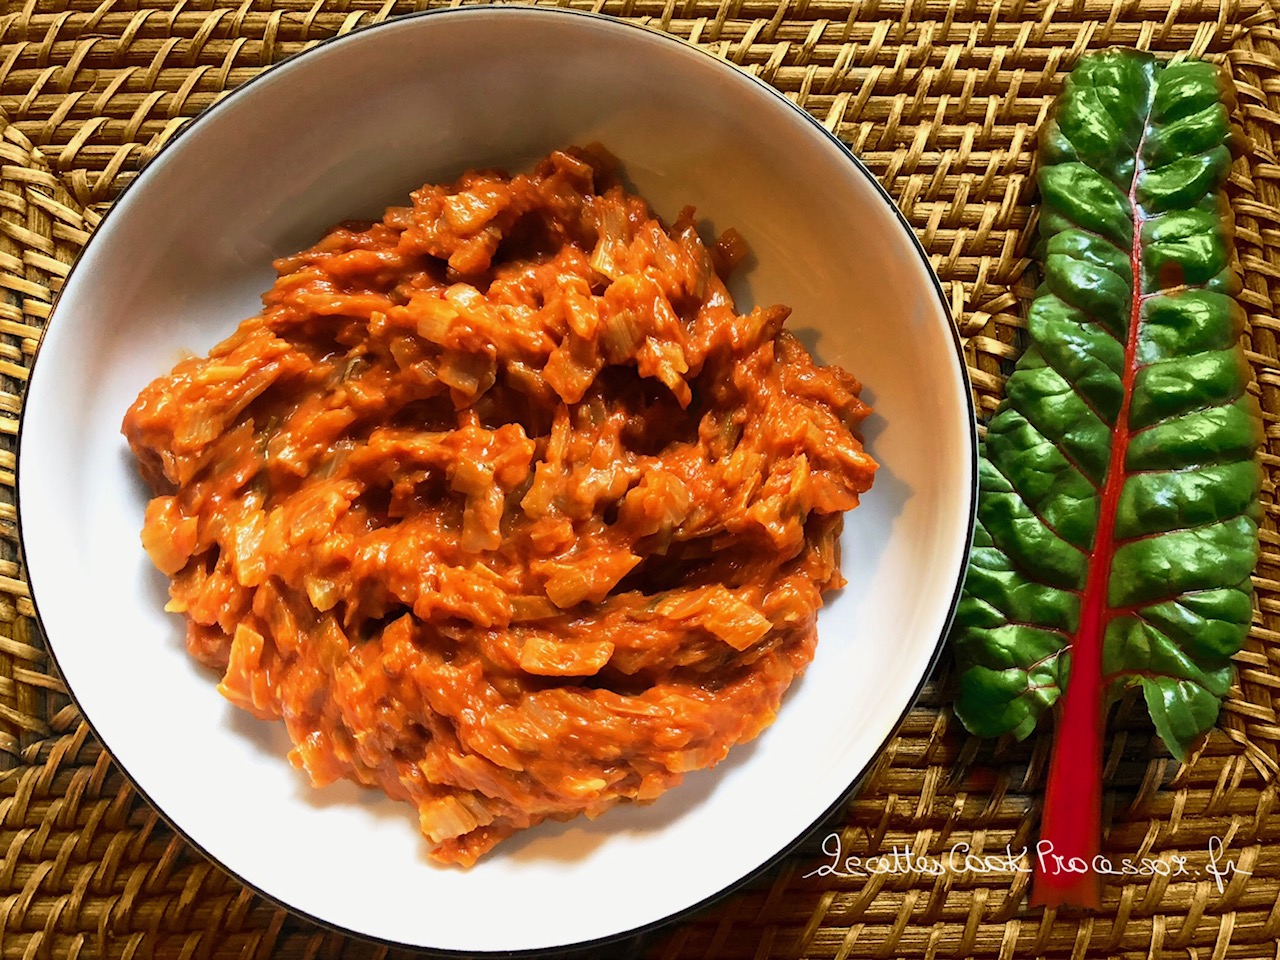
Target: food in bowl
column 501, row 506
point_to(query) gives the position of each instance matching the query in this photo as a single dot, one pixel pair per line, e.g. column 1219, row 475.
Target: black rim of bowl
column 844, row 796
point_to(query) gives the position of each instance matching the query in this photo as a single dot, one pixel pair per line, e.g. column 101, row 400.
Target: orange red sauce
column 501, row 506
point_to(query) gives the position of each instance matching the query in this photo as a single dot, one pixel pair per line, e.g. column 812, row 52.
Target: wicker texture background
column 941, row 99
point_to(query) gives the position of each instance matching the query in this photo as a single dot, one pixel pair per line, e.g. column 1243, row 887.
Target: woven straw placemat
column 941, row 99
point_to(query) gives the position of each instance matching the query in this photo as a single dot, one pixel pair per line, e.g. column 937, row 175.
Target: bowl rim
column 608, row 22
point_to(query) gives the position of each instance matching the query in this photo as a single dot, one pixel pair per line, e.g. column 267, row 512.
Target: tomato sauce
column 500, row 505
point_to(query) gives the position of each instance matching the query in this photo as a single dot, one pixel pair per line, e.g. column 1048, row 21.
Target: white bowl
column 342, row 131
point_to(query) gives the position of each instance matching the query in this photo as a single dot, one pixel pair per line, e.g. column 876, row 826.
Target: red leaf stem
column 1071, row 826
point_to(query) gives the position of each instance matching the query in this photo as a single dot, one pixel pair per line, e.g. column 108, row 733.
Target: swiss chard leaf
column 1118, row 507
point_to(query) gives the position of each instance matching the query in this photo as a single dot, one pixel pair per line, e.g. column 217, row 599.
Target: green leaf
column 1118, row 502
